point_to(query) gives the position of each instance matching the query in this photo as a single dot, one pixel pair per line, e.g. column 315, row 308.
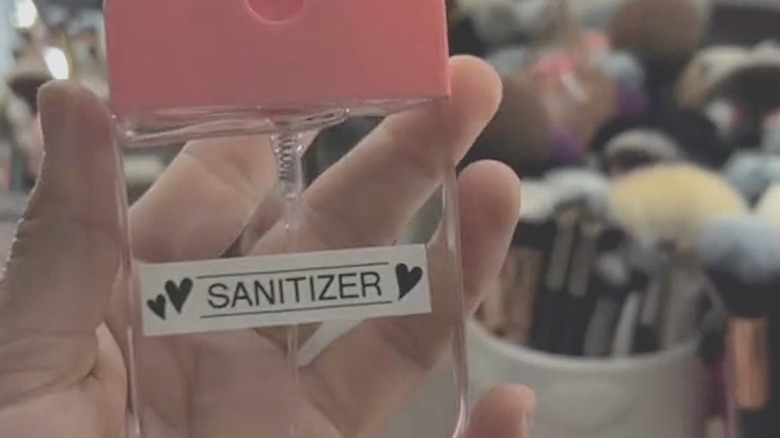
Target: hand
column 63, row 348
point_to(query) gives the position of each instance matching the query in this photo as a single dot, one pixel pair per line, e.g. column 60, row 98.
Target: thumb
column 65, row 258
column 505, row 412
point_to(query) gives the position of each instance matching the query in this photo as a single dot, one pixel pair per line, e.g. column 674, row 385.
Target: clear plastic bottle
column 293, row 304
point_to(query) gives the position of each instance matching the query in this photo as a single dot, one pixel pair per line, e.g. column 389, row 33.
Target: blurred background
column 647, row 134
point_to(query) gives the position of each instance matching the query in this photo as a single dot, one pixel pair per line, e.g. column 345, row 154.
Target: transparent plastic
column 162, row 127
column 352, row 377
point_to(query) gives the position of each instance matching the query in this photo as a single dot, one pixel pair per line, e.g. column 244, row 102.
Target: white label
column 252, row 292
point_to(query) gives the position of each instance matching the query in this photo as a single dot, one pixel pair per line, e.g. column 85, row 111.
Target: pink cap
column 174, row 54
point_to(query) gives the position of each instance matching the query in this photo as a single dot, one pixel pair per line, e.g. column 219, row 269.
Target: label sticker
column 285, row 289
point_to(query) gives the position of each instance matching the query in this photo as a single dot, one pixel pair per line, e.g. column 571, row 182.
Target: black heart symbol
column 407, row 279
column 157, row 305
column 178, row 293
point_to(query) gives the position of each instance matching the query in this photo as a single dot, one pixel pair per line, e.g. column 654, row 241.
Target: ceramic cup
column 647, row 396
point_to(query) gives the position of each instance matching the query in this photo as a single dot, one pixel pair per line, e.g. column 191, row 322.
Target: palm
column 232, row 385
column 88, row 402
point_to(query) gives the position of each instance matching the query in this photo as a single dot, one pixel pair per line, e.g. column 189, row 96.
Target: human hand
column 63, row 317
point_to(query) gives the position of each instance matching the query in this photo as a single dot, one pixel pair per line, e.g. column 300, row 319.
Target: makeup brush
column 530, row 244
column 625, row 332
column 668, row 204
column 21, row 129
column 595, row 14
column 741, row 258
column 507, row 61
column 529, row 253
column 539, row 200
column 632, row 102
column 25, row 80
column 770, row 140
column 647, row 333
column 607, row 100
column 580, row 100
column 623, row 68
column 552, row 296
column 596, row 236
column 629, row 78
column 580, row 194
column 663, row 34
column 578, row 302
column 727, row 117
column 651, row 323
column 680, row 318
column 519, row 135
column 507, row 313
column 751, row 173
column 753, row 84
column 768, row 206
column 499, row 22
column 462, row 33
column 697, row 135
column 581, row 187
column 694, row 87
column 566, row 149
column 613, row 281
column 499, row 311
column 665, row 207
column 639, row 148
column 599, row 13
column 713, row 332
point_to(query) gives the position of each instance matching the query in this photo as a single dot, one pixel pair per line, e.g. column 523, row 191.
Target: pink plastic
column 177, row 54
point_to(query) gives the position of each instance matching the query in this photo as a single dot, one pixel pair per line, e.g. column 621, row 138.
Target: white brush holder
column 649, row 396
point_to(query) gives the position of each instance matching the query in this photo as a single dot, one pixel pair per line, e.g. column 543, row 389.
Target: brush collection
column 632, row 139
column 682, row 133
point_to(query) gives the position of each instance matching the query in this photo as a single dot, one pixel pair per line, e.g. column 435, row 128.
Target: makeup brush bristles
column 670, row 203
column 639, row 148
column 664, row 34
column 752, row 173
column 580, row 186
column 768, row 207
column 521, row 132
column 741, row 255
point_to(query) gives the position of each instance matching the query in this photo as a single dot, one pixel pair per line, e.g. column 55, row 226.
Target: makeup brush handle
column 712, row 346
column 549, row 320
column 601, row 328
column 646, row 340
column 754, row 424
column 575, row 325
